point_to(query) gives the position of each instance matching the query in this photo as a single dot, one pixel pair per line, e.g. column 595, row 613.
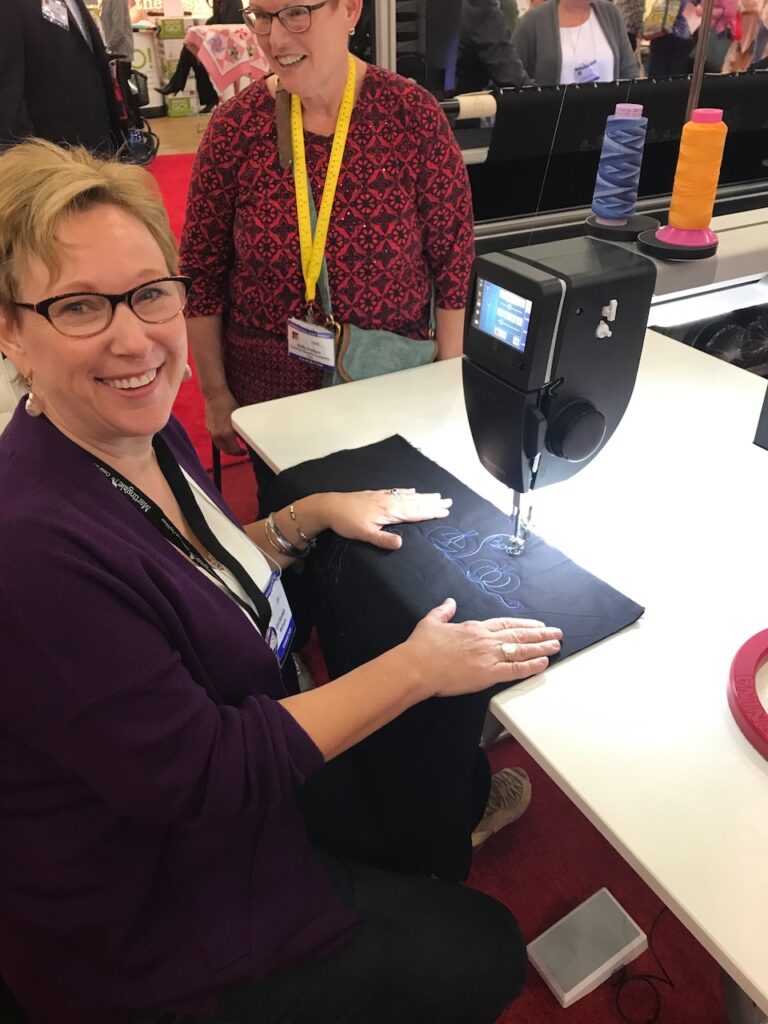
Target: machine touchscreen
column 501, row 314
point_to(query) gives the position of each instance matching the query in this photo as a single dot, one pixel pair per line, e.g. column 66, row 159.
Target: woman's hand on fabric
column 466, row 657
column 362, row 515
column 218, row 420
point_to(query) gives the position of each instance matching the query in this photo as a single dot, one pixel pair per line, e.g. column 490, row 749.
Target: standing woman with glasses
column 400, row 212
column 157, row 757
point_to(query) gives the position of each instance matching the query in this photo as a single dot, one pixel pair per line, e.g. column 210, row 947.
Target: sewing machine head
column 553, row 340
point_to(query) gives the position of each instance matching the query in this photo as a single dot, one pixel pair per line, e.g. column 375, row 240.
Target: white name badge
column 281, row 625
column 311, row 343
column 586, row 73
column 56, row 12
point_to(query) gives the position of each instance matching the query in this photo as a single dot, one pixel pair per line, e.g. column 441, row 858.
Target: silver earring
column 32, row 406
column 187, row 375
column 351, row 32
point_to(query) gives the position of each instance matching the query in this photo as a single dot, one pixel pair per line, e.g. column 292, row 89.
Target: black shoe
column 209, row 108
column 166, row 90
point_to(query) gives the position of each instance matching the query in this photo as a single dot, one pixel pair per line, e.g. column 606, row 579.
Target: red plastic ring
column 743, row 699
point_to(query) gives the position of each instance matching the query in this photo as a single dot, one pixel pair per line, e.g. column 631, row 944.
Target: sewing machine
column 553, row 340
column 554, row 334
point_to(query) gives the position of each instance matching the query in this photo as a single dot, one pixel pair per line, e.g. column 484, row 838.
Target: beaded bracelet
column 312, row 541
column 286, row 546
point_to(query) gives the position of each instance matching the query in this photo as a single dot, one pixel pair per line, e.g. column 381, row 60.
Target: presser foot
column 521, row 518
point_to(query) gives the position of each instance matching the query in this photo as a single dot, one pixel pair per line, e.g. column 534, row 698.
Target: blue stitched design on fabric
column 478, row 560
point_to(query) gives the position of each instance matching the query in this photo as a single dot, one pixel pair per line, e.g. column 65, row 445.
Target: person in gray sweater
column 486, row 51
column 537, row 39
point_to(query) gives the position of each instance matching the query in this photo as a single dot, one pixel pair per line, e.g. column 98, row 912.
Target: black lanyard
column 260, row 612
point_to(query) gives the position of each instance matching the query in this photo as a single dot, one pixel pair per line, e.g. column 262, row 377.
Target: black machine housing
column 553, row 339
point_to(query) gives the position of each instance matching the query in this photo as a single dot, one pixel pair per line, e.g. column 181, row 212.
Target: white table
column 636, row 730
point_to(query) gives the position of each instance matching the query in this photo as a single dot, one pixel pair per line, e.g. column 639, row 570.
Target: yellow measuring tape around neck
column 312, row 249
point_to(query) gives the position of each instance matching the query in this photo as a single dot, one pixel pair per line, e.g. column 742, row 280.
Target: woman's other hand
column 439, row 658
column 218, row 420
column 453, row 658
column 362, row 515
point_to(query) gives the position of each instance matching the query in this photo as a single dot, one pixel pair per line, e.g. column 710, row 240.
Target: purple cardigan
column 151, row 850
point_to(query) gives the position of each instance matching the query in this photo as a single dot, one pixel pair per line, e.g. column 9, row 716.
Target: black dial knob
column 576, row 432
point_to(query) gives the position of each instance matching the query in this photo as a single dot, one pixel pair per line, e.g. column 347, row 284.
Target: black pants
column 426, row 951
column 670, row 55
column 264, row 474
column 404, row 799
column 189, row 62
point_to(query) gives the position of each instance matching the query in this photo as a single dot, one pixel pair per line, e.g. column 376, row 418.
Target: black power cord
column 622, row 979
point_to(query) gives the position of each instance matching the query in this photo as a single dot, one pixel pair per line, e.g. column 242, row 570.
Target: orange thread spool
column 698, row 170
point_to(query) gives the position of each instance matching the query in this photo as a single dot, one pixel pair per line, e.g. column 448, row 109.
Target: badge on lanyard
column 56, row 12
column 585, row 73
column 281, row 625
column 311, row 343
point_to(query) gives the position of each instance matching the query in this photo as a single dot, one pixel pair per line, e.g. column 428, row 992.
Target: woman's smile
column 136, row 385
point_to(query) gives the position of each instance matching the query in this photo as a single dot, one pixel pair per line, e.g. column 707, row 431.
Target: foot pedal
column 586, row 947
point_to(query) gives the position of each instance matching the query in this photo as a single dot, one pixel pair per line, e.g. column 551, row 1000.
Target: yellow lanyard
column 313, row 249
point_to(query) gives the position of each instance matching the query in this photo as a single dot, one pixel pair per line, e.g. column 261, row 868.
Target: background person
column 115, row 20
column 670, row 51
column 567, row 41
column 761, row 38
column 633, row 13
column 401, row 222
column 511, row 13
column 55, row 81
column 225, row 12
column 486, row 53
column 724, row 17
column 741, row 51
column 154, row 854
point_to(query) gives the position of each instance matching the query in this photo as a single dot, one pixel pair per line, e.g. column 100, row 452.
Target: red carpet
column 172, row 175
column 549, row 861
column 545, row 865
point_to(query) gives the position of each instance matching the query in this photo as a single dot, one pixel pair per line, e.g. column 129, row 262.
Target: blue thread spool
column 618, row 177
column 618, row 174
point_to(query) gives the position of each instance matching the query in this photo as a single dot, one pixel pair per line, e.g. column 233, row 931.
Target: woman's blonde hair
column 42, row 184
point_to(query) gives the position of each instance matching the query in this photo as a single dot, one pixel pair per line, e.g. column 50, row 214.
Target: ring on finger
column 395, row 492
column 508, row 651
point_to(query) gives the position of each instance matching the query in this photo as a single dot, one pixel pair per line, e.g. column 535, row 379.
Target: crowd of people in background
column 502, row 43
column 506, row 44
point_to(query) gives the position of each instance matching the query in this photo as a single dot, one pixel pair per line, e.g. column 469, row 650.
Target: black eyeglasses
column 83, row 314
column 297, row 18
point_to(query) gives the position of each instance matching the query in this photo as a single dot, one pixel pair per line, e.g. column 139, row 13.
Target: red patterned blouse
column 402, row 217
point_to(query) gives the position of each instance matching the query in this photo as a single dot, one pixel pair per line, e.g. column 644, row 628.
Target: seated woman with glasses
column 158, row 757
column 400, row 222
